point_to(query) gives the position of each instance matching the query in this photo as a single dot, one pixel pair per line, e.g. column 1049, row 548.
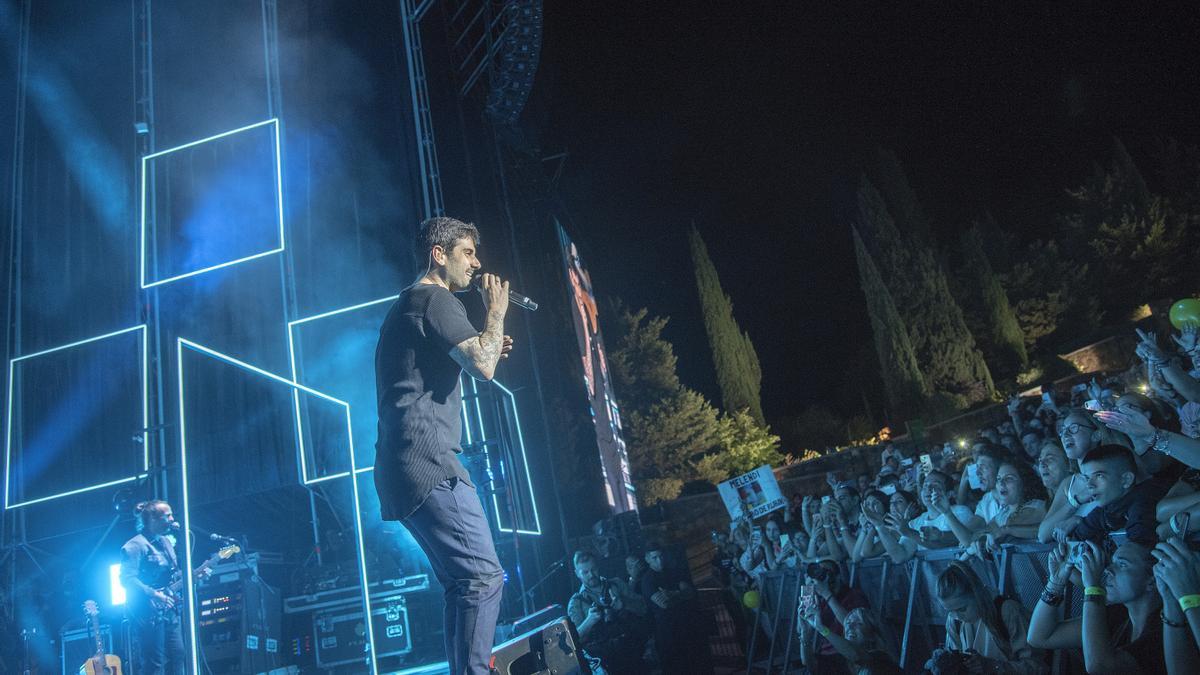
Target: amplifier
column 380, row 591
column 341, row 635
column 238, row 623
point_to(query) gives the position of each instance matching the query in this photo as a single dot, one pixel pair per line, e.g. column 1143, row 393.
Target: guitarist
column 148, row 564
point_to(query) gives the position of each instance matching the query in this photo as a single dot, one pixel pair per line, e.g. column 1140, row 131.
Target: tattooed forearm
column 479, row 355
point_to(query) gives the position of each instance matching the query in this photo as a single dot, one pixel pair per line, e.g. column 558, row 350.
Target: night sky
column 755, row 120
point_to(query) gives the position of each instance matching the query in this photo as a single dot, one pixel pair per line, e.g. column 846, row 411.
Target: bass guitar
column 173, row 589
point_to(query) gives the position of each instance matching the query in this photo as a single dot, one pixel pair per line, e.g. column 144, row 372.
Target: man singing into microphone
column 425, row 343
column 148, row 565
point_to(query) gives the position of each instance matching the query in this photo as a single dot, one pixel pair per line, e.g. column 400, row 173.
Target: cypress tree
column 945, row 348
column 1001, row 330
column 903, row 381
column 888, row 175
column 738, row 372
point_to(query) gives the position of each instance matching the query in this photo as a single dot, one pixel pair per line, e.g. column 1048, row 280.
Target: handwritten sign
column 755, row 493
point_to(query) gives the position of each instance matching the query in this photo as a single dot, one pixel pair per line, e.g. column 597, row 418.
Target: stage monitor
column 614, row 460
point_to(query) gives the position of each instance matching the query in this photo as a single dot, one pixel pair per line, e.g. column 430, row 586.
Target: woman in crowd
column 757, row 556
column 1021, row 508
column 1072, row 498
column 869, row 542
column 861, row 643
column 984, row 633
column 782, row 555
column 1129, row 641
column 930, row 530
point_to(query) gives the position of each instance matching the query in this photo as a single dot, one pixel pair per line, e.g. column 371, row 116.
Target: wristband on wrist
column 823, row 631
column 1162, row 442
column 1096, row 590
column 1173, row 624
column 1051, row 598
column 1187, row 602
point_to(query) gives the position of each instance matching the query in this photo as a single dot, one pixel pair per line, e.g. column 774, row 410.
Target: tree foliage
column 642, row 363
column 903, row 381
column 673, row 434
column 1000, row 333
column 739, row 374
column 945, row 349
column 888, row 175
column 742, row 445
column 1135, row 237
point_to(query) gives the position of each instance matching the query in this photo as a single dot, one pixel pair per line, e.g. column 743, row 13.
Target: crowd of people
column 1105, row 475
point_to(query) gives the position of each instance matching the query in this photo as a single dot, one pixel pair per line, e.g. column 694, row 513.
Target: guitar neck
column 95, row 622
column 177, row 585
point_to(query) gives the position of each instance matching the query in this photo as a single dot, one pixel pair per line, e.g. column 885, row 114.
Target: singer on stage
column 424, row 345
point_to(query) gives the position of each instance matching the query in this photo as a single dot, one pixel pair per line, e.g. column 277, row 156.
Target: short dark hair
column 938, row 473
column 997, row 453
column 443, row 231
column 1119, row 455
column 582, row 557
column 876, row 494
column 144, row 509
column 653, row 545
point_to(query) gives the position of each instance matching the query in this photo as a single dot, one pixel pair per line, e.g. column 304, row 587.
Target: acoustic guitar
column 100, row 663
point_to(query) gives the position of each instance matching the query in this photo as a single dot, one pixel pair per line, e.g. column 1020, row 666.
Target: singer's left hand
column 506, row 347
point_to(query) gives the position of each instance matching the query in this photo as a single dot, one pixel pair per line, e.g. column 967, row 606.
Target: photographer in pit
column 610, row 619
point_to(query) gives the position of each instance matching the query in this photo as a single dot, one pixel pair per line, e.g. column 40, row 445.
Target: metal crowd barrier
column 902, row 597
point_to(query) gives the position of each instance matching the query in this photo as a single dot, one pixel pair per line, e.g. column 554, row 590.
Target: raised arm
column 479, row 355
column 1045, row 630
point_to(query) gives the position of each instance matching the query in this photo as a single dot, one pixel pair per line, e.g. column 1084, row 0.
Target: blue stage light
column 353, row 474
column 278, row 199
column 12, row 364
column 114, row 583
column 512, row 401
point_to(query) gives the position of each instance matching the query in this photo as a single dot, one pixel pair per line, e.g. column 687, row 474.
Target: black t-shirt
column 1147, row 650
column 417, row 383
column 668, row 580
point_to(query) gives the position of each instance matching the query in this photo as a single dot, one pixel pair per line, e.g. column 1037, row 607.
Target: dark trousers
column 452, row 530
column 159, row 647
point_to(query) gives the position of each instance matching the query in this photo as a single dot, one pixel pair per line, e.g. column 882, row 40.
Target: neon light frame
column 145, row 419
column 296, row 395
column 524, row 459
column 278, row 204
column 180, row 344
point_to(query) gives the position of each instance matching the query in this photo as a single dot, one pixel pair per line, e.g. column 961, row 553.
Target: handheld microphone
column 518, row 299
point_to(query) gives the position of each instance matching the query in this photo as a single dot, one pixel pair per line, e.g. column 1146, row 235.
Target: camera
column 816, row 572
column 1075, row 551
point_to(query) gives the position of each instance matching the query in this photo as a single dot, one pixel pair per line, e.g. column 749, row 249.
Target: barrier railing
column 900, row 596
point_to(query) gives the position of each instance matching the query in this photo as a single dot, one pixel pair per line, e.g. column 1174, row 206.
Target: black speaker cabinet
column 551, row 648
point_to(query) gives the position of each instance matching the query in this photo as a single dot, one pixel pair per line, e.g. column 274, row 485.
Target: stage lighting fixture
column 114, row 583
column 146, row 160
column 12, row 366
